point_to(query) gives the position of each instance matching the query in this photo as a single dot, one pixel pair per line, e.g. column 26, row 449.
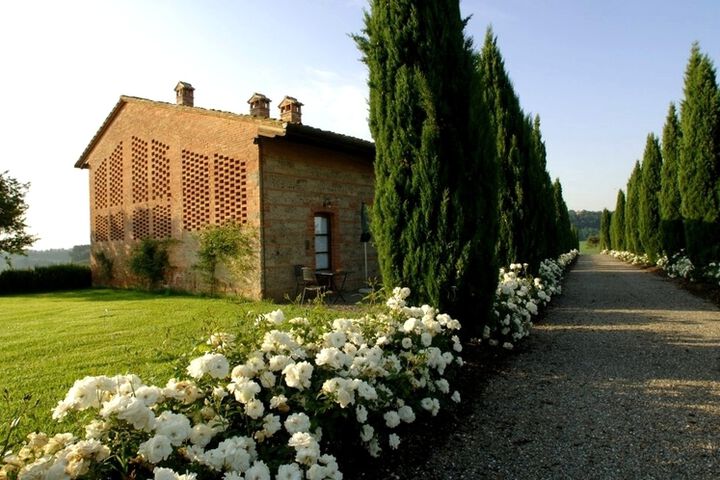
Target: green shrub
column 150, row 261
column 45, row 279
column 229, row 244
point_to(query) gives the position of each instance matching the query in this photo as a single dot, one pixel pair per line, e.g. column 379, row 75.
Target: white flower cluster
column 264, row 417
column 60, row 456
column 629, row 257
column 519, row 297
column 678, row 265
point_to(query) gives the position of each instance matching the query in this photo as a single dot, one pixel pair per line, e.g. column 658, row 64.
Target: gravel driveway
column 620, row 381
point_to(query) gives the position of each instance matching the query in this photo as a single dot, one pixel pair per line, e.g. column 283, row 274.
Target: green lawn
column 584, row 249
column 50, row 340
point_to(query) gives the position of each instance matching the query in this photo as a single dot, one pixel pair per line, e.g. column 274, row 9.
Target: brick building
column 166, row 171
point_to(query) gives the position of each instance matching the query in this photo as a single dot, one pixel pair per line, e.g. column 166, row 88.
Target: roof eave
column 82, row 161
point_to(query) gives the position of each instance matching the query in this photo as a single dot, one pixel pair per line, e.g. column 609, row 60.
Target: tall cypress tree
column 508, row 121
column 434, row 213
column 566, row 239
column 632, row 213
column 605, row 241
column 699, row 172
column 649, row 206
column 545, row 205
column 617, row 224
column 673, row 234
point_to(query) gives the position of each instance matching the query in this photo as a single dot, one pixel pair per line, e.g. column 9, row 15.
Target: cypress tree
column 673, row 234
column 541, row 198
column 508, row 121
column 632, row 238
column 699, row 172
column 605, row 241
column 649, row 205
column 617, row 224
column 434, row 213
column 566, row 239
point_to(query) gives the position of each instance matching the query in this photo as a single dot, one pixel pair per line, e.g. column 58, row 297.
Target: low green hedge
column 45, row 279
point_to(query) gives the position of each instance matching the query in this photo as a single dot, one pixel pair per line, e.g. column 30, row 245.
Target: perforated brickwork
column 160, row 170
column 100, row 185
column 117, row 228
column 230, row 181
column 139, row 170
column 162, row 221
column 141, row 223
column 196, row 190
column 102, row 231
column 116, row 176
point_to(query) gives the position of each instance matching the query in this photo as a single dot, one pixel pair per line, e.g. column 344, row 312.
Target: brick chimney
column 184, row 93
column 290, row 111
column 259, row 105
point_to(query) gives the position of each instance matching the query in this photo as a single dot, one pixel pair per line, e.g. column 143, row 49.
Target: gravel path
column 620, row 381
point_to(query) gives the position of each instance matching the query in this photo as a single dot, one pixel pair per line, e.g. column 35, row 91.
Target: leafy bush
column 150, row 260
column 228, row 244
column 45, row 279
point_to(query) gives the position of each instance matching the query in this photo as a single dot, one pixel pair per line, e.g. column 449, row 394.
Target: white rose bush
column 520, row 297
column 266, row 411
column 270, row 408
column 678, row 265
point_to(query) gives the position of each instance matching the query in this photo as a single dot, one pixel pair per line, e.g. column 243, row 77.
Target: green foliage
column 699, row 168
column 13, row 238
column 105, row 266
column 617, row 223
column 230, row 245
column 433, row 227
column 649, row 207
column 150, row 260
column 567, row 239
column 632, row 211
column 605, row 240
column 45, row 279
column 587, row 222
column 672, row 230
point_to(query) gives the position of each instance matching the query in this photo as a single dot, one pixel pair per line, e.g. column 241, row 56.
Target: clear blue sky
column 600, row 74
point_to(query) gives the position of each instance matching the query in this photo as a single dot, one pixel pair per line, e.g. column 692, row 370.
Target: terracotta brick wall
column 166, row 171
column 300, row 181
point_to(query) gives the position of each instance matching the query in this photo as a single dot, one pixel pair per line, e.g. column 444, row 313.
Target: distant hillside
column 79, row 254
column 586, row 222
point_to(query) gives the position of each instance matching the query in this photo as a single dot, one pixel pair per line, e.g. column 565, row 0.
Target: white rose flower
column 258, row 471
column 307, row 449
column 392, row 419
column 175, row 426
column 254, row 409
column 156, row 449
column 201, row 434
column 289, row 472
column 367, row 433
column 297, row 422
column 271, row 424
column 406, row 414
column 267, row 379
column 426, row 339
column 275, row 317
column 406, row 343
column 361, row 414
column 394, row 441
column 298, row 375
column 456, row 396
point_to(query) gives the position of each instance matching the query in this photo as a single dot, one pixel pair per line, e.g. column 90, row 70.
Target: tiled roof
column 277, row 128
